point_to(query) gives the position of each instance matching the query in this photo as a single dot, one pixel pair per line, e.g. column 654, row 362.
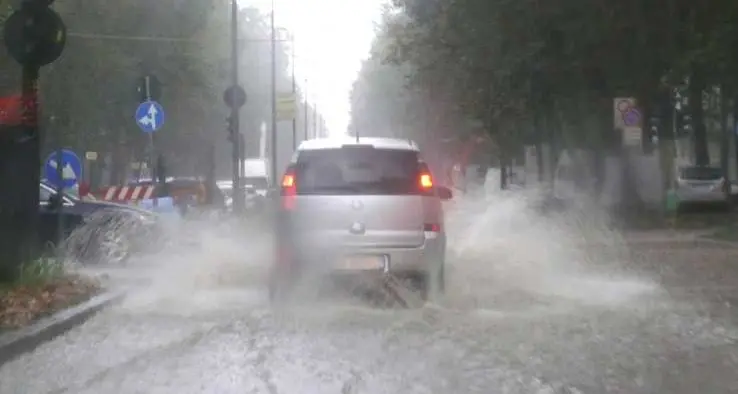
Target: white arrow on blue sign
column 150, row 116
column 71, row 169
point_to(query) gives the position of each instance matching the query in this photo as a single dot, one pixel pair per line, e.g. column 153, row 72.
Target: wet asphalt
column 524, row 313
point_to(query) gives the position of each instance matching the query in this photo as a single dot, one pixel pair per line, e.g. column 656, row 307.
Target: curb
column 727, row 244
column 26, row 339
column 686, row 244
column 672, row 244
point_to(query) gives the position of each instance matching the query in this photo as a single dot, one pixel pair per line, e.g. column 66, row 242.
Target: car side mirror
column 445, row 193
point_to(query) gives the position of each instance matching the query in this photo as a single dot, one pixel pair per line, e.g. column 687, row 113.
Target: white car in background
column 702, row 184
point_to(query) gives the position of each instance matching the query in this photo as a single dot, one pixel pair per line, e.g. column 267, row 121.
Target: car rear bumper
column 330, row 261
column 701, row 197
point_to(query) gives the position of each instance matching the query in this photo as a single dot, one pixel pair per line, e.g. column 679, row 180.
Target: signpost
column 150, row 118
column 627, row 118
column 286, row 107
column 235, row 98
column 63, row 170
column 70, row 169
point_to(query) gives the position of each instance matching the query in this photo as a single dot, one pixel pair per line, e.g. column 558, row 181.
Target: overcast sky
column 332, row 38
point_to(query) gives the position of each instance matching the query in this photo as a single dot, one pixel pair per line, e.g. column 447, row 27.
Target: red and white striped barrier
column 128, row 193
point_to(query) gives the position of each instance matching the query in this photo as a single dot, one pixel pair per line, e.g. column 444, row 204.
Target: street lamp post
column 274, row 100
column 294, row 94
column 306, row 109
column 315, row 119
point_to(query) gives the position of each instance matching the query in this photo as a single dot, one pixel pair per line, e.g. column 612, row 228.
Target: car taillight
column 432, row 228
column 289, row 190
column 289, row 184
column 426, row 181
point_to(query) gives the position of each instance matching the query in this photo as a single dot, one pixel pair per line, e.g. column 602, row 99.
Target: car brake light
column 432, row 227
column 289, row 190
column 426, row 181
column 288, row 182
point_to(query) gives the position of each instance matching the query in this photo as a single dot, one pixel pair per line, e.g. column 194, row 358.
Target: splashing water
column 500, row 245
column 500, row 252
column 521, row 313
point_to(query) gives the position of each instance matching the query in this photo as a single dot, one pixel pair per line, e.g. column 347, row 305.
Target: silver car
column 359, row 207
column 702, row 184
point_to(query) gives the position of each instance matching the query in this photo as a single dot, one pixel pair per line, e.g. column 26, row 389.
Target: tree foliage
column 516, row 64
column 387, row 101
column 89, row 94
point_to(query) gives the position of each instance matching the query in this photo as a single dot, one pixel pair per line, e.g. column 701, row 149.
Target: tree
column 532, row 70
column 95, row 112
column 89, row 95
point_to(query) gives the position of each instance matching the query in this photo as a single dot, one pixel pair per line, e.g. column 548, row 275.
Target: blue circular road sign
column 150, row 116
column 71, row 169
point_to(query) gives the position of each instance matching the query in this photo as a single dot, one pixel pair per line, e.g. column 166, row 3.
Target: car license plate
column 361, row 263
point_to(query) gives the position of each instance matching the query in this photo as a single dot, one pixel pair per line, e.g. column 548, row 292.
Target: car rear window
column 701, row 173
column 357, row 170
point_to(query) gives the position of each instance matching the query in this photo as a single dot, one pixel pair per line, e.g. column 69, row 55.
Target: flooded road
column 525, row 312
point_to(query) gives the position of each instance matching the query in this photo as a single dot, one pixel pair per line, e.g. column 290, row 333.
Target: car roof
column 377, row 142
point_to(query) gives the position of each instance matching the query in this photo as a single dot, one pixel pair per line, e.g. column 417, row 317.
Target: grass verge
column 42, row 288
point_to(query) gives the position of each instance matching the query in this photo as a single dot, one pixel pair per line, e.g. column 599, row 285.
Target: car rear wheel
column 432, row 283
column 281, row 285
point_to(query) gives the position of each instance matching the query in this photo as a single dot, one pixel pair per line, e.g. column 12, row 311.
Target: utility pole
column 294, row 95
column 306, row 109
column 315, row 119
column 235, row 98
column 274, row 101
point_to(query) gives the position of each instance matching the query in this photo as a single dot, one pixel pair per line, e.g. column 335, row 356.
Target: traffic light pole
column 34, row 36
column 235, row 129
column 24, row 154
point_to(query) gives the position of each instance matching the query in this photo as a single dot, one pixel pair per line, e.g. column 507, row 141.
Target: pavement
column 529, row 308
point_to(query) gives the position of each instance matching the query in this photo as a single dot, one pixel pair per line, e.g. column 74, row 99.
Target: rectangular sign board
column 286, row 106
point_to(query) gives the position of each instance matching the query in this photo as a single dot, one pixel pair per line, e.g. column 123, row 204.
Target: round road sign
column 234, row 96
column 35, row 36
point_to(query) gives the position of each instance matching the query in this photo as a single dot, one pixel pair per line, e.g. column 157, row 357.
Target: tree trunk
column 538, row 133
column 503, row 172
column 735, row 128
column 725, row 139
column 699, row 131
